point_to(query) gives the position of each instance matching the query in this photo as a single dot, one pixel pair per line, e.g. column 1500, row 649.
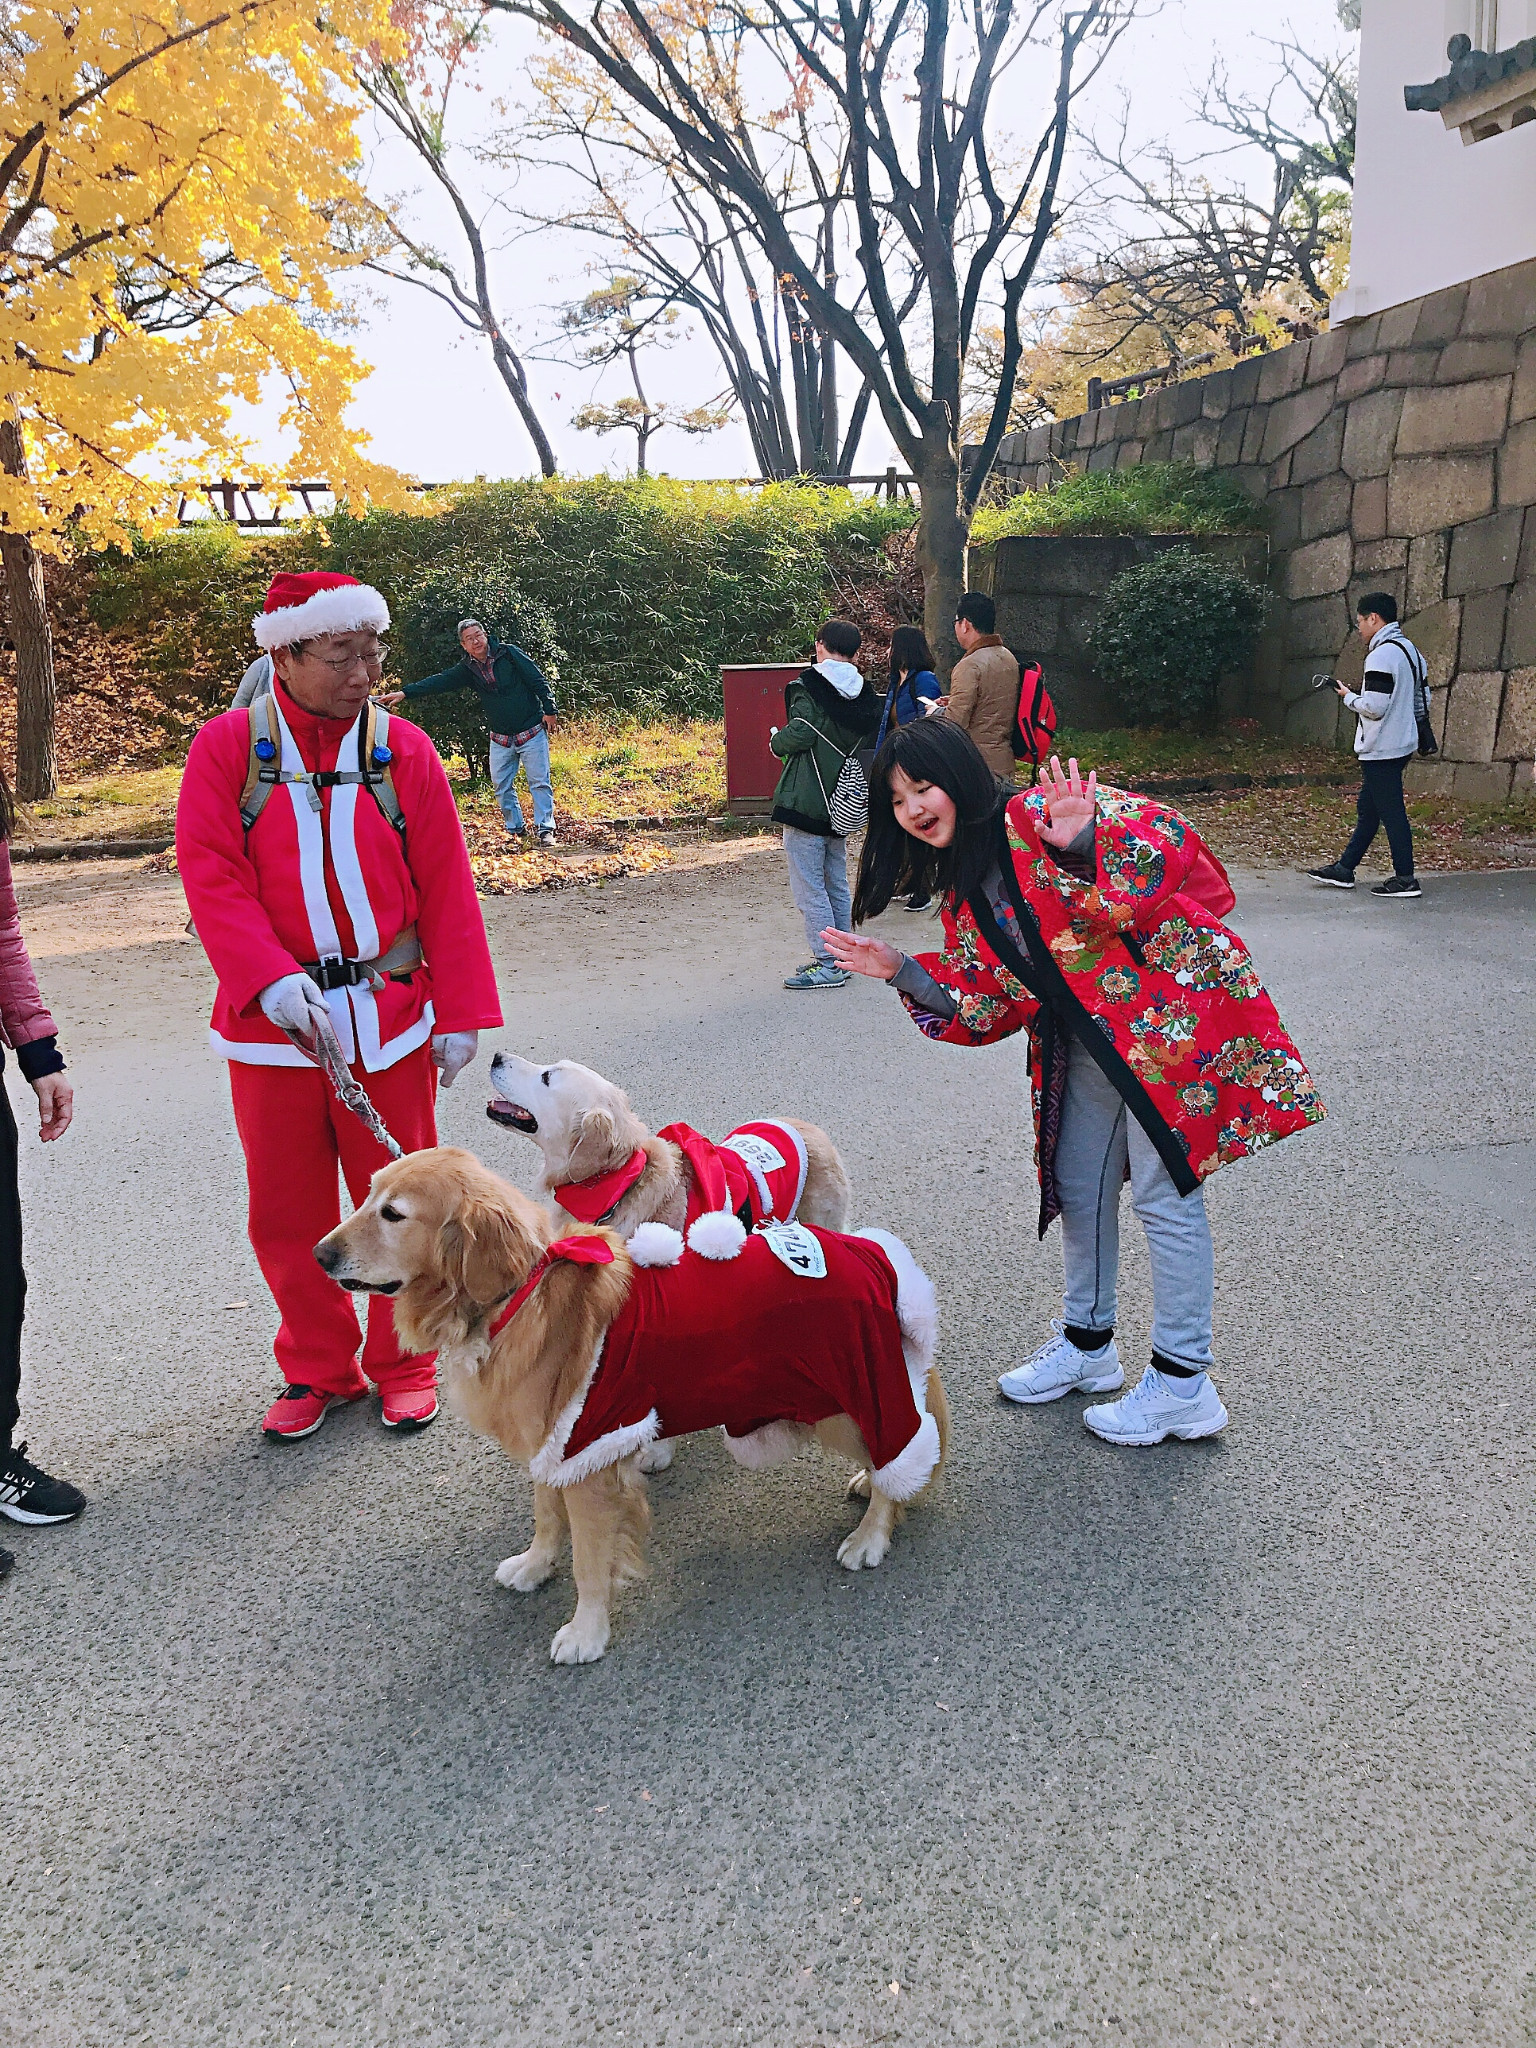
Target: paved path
column 1223, row 1743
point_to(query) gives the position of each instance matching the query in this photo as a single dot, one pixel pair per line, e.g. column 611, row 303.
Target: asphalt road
column 1218, row 1743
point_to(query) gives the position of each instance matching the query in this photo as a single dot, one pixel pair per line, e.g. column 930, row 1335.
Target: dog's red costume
column 757, row 1174
column 320, row 883
column 759, row 1347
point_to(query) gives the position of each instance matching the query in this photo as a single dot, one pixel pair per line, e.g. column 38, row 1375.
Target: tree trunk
column 37, row 765
column 942, row 531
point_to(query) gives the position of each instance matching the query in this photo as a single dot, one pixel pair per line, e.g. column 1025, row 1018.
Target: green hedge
column 647, row 585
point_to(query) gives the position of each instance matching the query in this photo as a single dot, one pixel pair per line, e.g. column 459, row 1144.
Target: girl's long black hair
column 7, row 805
column 893, row 863
column 910, row 652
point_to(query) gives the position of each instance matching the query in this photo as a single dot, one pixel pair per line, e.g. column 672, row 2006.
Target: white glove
column 453, row 1051
column 293, row 1003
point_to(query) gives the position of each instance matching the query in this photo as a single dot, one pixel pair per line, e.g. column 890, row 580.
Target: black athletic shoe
column 1400, row 885
column 28, row 1495
column 920, row 903
column 1334, row 875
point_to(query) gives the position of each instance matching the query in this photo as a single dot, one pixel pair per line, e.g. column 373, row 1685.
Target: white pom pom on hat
column 655, row 1244
column 717, row 1234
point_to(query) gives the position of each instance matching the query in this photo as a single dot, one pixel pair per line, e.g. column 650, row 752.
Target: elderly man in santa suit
column 328, row 877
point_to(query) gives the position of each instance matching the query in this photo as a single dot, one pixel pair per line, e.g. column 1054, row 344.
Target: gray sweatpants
column 818, row 881
column 1097, row 1136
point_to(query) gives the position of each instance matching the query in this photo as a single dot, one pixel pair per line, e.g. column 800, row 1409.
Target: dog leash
column 327, row 1055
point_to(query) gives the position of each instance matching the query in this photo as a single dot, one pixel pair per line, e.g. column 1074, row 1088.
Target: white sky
column 433, row 403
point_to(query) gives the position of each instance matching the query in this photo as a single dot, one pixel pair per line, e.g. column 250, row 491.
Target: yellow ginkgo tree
column 175, row 180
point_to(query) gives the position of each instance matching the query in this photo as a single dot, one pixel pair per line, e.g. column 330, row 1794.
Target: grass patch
column 1133, row 753
column 1154, row 497
column 603, row 768
column 131, row 804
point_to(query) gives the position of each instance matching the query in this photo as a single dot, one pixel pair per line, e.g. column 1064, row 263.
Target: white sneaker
column 1152, row 1410
column 1058, row 1368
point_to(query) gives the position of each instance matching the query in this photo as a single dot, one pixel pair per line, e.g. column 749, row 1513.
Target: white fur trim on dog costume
column 717, row 1234
column 655, row 1244
column 911, row 1469
column 917, row 1310
column 551, row 1467
column 346, row 608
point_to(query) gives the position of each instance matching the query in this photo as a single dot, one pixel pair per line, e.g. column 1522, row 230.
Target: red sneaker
column 409, row 1412
column 299, row 1411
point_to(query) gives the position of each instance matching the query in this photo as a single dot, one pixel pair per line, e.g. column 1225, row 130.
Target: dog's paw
column 579, row 1642
column 863, row 1550
column 858, row 1487
column 656, row 1457
column 525, row 1571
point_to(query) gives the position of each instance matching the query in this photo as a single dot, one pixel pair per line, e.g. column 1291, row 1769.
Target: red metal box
column 754, row 705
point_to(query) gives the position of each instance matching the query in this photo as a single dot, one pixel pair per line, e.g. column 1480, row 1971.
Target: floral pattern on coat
column 1142, row 949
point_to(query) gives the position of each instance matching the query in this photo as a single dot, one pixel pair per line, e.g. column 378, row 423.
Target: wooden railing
column 1103, row 391
column 237, row 503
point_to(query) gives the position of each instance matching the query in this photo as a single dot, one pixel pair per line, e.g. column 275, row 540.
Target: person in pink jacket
column 27, row 1494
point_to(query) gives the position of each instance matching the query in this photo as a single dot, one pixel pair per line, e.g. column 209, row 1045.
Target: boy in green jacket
column 520, row 713
column 829, row 711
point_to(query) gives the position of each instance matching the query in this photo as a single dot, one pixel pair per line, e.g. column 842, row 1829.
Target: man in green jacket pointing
column 520, row 713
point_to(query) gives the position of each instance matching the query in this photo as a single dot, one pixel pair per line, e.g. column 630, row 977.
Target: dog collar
column 580, row 1251
column 595, row 1200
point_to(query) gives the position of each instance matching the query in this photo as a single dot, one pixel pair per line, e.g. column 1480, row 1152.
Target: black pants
column 13, row 1281
column 1380, row 803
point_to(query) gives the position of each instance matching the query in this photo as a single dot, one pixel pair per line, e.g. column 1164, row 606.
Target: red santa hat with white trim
column 307, row 603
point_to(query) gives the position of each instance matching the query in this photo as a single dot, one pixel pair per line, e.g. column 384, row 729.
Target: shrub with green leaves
column 1151, row 497
column 1170, row 629
column 424, row 637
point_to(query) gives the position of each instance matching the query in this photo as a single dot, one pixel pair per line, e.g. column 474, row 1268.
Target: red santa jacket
column 751, row 1342
column 334, row 884
column 757, row 1173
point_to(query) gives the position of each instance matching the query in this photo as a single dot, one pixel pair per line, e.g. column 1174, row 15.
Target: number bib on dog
column 798, row 1248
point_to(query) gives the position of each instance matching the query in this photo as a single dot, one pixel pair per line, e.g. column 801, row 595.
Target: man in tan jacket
column 984, row 683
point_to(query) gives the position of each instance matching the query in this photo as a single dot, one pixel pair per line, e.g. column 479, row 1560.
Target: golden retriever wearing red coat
column 450, row 1241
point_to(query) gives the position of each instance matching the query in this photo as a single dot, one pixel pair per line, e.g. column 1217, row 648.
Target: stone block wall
column 1049, row 589
column 1397, row 453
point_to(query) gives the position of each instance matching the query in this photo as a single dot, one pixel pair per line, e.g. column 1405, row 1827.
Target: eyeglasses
column 343, row 665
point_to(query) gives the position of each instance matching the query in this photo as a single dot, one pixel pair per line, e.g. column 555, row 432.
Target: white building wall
column 1429, row 209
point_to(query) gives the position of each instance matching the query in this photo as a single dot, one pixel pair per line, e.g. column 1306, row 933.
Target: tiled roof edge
column 1471, row 70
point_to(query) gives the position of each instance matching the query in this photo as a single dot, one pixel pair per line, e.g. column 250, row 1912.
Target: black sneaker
column 27, row 1495
column 920, row 903
column 1336, row 876
column 1400, row 885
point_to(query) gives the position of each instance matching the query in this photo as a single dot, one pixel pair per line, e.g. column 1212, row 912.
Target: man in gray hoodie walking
column 1392, row 697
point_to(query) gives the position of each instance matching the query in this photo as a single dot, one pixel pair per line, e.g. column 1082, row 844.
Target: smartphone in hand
column 1325, row 683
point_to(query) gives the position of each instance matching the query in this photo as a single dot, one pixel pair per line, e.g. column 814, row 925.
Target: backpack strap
column 263, row 770
column 374, row 758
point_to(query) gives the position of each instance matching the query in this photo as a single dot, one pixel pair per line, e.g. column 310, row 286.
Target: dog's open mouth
column 370, row 1286
column 512, row 1115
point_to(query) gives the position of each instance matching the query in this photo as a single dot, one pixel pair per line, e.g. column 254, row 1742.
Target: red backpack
column 1034, row 722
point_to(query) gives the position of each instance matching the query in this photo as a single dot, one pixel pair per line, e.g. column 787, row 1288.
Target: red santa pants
column 296, row 1134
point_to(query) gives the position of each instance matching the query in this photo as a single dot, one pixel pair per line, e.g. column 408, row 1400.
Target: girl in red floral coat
column 1090, row 919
